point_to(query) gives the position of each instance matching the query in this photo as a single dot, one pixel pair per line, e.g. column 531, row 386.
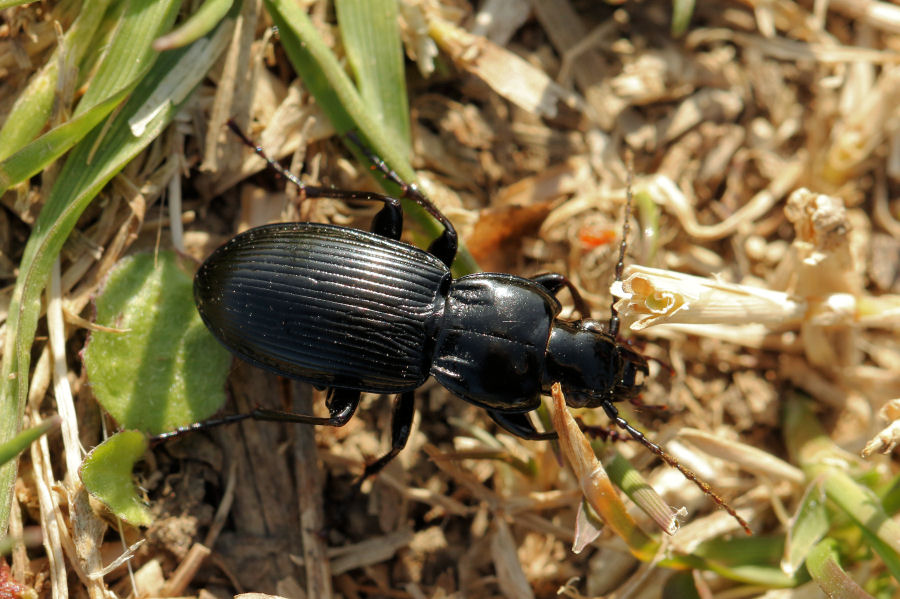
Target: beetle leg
column 389, row 221
column 401, row 425
column 445, row 246
column 342, row 404
column 520, row 425
column 554, row 281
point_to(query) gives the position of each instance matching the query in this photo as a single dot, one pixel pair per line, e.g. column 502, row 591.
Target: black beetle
column 358, row 311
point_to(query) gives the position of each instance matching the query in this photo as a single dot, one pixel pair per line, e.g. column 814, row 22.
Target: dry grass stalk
column 652, row 296
column 886, row 440
column 598, row 490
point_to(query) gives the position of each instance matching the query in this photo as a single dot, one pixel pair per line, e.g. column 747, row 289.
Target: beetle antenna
column 613, row 328
column 669, row 459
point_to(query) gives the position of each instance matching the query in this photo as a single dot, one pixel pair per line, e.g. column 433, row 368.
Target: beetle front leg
column 554, row 281
column 401, row 426
column 520, row 425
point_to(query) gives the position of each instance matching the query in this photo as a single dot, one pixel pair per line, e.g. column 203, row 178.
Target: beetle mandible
column 357, row 311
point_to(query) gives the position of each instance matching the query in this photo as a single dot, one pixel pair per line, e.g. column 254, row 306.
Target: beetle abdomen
column 329, row 305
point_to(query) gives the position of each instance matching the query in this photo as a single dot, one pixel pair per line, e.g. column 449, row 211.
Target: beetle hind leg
column 342, row 404
column 520, row 425
column 389, row 220
column 401, row 426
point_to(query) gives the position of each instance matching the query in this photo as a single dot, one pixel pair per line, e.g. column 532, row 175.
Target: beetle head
column 592, row 367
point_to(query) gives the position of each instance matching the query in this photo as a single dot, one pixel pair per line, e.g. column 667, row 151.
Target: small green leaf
column 106, row 473
column 166, row 370
column 90, row 165
column 807, row 527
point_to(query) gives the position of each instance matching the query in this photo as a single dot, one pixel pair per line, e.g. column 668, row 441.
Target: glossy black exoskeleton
column 359, row 311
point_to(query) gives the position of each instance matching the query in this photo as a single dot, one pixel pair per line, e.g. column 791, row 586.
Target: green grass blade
column 10, row 3
column 20, row 442
column 682, row 10
column 32, row 108
column 807, row 528
column 130, row 51
column 626, row 477
column 198, row 24
column 890, row 498
column 371, row 39
column 152, row 105
column 825, row 568
column 882, row 533
column 37, row 155
column 819, row 456
column 335, row 93
column 752, row 560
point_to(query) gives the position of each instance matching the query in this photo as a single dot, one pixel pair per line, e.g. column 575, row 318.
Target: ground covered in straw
column 763, row 145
